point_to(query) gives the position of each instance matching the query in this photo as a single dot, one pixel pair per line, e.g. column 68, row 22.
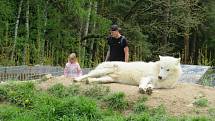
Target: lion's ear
column 178, row 61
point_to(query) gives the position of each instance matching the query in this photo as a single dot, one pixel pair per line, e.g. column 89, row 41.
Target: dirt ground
column 177, row 101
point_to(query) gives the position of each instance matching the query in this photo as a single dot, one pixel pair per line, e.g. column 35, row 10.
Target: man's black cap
column 115, row 28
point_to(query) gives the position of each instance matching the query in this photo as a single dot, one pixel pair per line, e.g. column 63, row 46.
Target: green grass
column 207, row 79
column 96, row 91
column 201, row 102
column 211, row 112
column 140, row 106
column 116, row 101
column 22, row 102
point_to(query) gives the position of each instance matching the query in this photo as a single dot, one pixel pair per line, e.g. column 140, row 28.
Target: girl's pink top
column 72, row 70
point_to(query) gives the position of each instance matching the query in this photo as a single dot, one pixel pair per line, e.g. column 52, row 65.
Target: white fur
column 144, row 75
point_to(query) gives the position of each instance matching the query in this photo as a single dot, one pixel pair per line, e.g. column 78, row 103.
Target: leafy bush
column 74, row 90
column 21, row 94
column 208, row 77
column 201, row 102
column 61, row 103
column 3, row 94
column 211, row 112
column 8, row 111
column 139, row 117
column 58, row 90
column 140, row 106
column 78, row 107
column 116, row 101
column 96, row 91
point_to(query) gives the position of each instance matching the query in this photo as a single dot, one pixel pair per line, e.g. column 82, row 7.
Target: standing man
column 118, row 46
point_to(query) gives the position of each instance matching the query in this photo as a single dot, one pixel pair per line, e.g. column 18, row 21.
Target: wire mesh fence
column 31, row 72
column 28, row 72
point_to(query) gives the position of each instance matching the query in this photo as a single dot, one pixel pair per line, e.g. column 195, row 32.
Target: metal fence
column 28, row 72
column 31, row 72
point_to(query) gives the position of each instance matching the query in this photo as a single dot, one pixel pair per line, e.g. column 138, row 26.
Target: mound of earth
column 177, row 101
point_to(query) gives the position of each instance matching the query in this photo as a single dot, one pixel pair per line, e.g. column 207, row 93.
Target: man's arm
column 108, row 54
column 126, row 50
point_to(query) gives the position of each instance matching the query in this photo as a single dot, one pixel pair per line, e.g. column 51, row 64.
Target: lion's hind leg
column 102, row 80
column 96, row 73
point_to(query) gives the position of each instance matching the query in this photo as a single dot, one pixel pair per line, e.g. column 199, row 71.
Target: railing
column 31, row 72
column 28, row 72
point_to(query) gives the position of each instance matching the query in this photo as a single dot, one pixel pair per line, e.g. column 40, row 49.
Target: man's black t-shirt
column 117, row 46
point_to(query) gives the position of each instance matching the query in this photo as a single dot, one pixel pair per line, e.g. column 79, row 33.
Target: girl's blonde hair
column 72, row 56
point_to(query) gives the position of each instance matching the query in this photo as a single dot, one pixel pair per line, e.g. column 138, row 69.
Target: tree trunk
column 85, row 34
column 26, row 61
column 16, row 29
column 166, row 20
column 93, row 40
column 186, row 48
column 5, row 50
column 42, row 50
column 6, row 33
column 193, row 52
column 38, row 42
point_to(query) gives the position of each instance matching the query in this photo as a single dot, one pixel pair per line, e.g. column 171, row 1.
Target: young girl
column 72, row 68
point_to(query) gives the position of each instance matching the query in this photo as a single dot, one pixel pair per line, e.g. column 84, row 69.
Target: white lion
column 160, row 74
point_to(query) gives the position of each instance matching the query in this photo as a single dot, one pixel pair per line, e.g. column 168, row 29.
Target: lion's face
column 168, row 66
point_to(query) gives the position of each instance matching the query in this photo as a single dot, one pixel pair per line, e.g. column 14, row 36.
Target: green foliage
column 140, row 106
column 3, row 93
column 21, row 94
column 201, row 102
column 56, row 28
column 207, row 79
column 8, row 111
column 116, row 101
column 78, row 107
column 211, row 111
column 46, row 105
column 96, row 91
column 140, row 117
column 58, row 90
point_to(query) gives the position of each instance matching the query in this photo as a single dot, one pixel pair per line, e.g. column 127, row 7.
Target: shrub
column 78, row 107
column 3, row 94
column 21, row 94
column 211, row 112
column 116, row 101
column 74, row 90
column 96, row 91
column 201, row 102
column 140, row 106
column 8, row 111
column 139, row 117
column 58, row 90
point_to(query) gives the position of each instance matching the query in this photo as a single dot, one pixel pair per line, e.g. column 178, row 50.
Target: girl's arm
column 79, row 70
column 66, row 70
